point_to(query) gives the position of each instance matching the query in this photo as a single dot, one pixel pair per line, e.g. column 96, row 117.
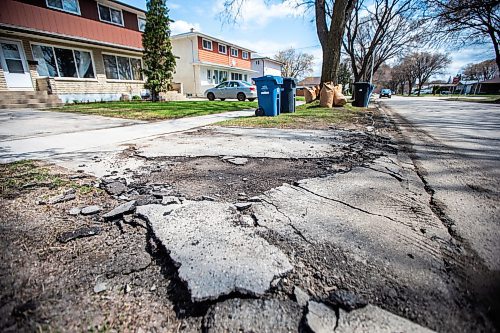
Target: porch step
column 28, row 99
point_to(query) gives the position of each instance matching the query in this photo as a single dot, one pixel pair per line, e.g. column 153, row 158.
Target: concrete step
column 31, row 105
column 28, row 99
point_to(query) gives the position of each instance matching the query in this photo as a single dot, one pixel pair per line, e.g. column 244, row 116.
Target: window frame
column 237, row 52
column 203, row 40
column 59, row 77
column 116, row 62
column 225, row 49
column 139, row 26
column 110, row 7
column 65, row 10
column 243, row 55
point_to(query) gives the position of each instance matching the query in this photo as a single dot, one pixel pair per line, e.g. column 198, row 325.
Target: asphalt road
column 456, row 147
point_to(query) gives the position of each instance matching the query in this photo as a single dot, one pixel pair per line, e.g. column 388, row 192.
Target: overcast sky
column 268, row 28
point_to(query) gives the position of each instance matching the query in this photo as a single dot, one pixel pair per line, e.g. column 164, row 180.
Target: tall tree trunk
column 331, row 37
column 495, row 46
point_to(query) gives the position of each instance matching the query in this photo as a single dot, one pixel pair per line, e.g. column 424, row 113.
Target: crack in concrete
column 396, row 176
column 290, row 223
column 345, row 203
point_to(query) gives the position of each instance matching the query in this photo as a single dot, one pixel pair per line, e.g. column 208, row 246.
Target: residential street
column 456, row 147
column 176, row 225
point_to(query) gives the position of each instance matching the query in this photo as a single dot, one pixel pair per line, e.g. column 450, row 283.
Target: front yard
column 306, row 116
column 157, row 111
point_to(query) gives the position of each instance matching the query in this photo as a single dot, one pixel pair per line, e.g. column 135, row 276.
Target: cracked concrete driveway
column 311, row 230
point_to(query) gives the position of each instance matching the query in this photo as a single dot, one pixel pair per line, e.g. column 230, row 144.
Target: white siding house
column 265, row 66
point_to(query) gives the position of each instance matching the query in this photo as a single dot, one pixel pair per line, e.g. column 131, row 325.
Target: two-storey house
column 204, row 62
column 86, row 50
column 265, row 66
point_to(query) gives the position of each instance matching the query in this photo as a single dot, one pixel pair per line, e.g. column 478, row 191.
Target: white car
column 240, row 90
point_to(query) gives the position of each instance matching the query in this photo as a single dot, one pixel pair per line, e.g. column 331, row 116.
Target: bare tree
column 469, row 22
column 295, row 64
column 382, row 31
column 330, row 17
column 484, row 70
column 422, row 65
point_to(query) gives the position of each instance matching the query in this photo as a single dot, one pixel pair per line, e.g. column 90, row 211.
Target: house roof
column 491, row 81
column 123, row 4
column 260, row 57
column 310, row 81
column 199, row 34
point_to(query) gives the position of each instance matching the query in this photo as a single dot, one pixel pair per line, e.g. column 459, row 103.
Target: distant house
column 265, row 66
column 310, row 81
column 83, row 50
column 491, row 86
column 205, row 61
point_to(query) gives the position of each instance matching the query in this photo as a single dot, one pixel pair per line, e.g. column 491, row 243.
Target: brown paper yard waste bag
column 309, row 95
column 326, row 95
column 338, row 97
column 317, row 89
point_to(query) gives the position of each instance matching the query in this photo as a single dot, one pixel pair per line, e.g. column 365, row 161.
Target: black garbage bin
column 288, row 93
column 362, row 92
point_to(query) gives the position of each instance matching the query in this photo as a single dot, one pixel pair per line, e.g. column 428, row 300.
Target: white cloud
column 256, row 13
column 180, row 26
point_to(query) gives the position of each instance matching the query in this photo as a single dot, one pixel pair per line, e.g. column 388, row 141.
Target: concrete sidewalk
column 49, row 146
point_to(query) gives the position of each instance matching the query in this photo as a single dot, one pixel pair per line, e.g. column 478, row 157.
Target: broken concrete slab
column 238, row 161
column 372, row 319
column 243, row 205
column 115, row 188
column 245, row 142
column 253, row 315
column 65, row 237
column 320, row 318
column 118, row 211
column 90, row 210
column 301, row 297
column 216, row 256
column 62, row 198
column 346, row 300
column 74, row 211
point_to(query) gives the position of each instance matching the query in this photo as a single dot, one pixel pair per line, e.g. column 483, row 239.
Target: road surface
column 456, row 147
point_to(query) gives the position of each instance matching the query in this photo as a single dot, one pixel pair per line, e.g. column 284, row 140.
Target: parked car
column 385, row 93
column 240, row 90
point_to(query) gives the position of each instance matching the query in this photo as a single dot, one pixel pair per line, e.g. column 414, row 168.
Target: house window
column 222, row 49
column 122, row 68
column 71, row 6
column 245, row 77
column 220, row 76
column 244, row 54
column 236, row 76
column 62, row 62
column 257, row 62
column 207, row 44
column 110, row 15
column 209, row 75
column 234, row 52
column 141, row 24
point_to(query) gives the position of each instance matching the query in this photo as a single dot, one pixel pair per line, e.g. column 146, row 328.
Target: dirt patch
column 48, row 285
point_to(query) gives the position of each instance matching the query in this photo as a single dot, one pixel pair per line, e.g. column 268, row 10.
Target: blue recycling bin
column 269, row 95
column 288, row 93
column 362, row 92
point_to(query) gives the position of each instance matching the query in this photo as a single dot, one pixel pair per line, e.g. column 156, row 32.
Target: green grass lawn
column 157, row 111
column 306, row 116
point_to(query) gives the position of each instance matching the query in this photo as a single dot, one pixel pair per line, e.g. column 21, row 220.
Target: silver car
column 240, row 90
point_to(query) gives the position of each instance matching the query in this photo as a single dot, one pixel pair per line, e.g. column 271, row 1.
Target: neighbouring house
column 83, row 50
column 310, row 81
column 491, row 86
column 205, row 61
column 265, row 66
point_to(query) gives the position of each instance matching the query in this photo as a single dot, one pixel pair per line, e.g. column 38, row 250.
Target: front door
column 14, row 65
